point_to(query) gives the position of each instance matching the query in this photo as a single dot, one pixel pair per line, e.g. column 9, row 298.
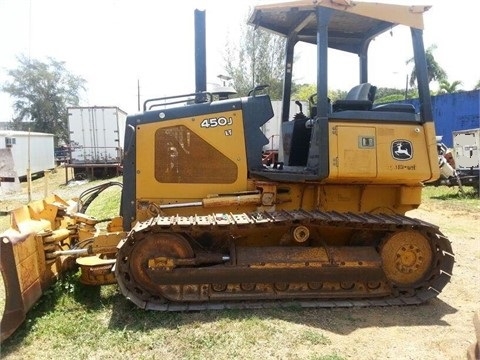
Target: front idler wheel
column 406, row 257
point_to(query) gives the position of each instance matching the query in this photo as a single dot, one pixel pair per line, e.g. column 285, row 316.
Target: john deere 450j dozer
column 204, row 224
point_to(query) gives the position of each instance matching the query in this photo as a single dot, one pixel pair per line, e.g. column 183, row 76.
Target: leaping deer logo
column 402, row 150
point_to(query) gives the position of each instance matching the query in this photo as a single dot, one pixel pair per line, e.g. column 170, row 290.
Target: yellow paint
column 229, row 140
column 398, row 14
column 351, row 162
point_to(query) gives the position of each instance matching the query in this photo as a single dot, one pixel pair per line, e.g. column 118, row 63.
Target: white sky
column 112, row 43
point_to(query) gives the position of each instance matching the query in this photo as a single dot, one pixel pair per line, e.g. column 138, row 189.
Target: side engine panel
column 388, row 152
column 186, row 153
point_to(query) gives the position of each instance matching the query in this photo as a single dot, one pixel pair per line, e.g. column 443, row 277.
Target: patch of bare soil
column 443, row 328
column 440, row 329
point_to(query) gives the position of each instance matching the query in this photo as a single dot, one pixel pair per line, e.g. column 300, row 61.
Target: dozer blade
column 15, row 300
column 26, row 271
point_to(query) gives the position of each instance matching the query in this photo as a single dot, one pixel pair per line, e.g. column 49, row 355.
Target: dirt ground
column 451, row 314
column 440, row 329
column 443, row 328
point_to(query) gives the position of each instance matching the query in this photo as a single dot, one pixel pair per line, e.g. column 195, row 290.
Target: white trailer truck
column 466, row 147
column 96, row 140
column 466, row 152
column 460, row 166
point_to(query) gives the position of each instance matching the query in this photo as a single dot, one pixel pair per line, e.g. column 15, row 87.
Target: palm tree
column 435, row 71
column 445, row 87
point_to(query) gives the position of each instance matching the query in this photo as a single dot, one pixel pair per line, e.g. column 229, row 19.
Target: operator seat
column 360, row 97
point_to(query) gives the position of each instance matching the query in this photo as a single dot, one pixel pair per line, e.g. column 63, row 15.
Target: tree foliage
column 337, row 94
column 385, row 95
column 42, row 93
column 304, row 91
column 391, row 98
column 446, row 87
column 257, row 60
column 477, row 86
column 434, row 71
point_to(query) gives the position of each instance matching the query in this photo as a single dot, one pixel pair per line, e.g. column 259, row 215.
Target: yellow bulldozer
column 204, row 224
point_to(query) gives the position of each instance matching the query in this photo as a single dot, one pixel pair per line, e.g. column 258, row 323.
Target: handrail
column 199, row 97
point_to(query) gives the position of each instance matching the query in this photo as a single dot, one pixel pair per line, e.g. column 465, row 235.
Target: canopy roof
column 353, row 23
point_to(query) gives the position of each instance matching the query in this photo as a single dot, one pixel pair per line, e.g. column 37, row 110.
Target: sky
column 116, row 44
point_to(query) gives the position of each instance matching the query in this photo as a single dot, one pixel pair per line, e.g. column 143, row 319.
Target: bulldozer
column 205, row 224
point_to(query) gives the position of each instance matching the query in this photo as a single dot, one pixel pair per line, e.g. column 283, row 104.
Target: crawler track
column 156, row 266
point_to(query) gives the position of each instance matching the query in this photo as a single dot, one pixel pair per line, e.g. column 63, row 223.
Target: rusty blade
column 24, row 272
column 14, row 312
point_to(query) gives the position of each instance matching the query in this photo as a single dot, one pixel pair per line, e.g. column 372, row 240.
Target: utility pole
column 29, row 170
column 138, row 95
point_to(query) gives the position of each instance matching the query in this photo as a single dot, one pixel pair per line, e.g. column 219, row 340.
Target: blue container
column 454, row 112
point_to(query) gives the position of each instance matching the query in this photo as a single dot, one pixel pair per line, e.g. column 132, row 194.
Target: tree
column 304, row 91
column 477, row 87
column 447, row 88
column 42, row 93
column 385, row 95
column 434, row 70
column 258, row 60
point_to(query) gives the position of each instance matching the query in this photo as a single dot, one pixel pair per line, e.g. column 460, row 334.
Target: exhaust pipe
column 200, row 56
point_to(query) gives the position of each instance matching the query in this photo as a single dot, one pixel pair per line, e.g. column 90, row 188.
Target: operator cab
column 349, row 27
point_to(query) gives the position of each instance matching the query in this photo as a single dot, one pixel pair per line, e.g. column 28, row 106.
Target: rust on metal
column 14, row 312
column 413, row 265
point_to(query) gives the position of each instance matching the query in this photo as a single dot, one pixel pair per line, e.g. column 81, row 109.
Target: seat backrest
column 361, row 92
column 360, row 97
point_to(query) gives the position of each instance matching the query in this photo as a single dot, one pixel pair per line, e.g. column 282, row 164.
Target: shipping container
column 453, row 112
column 22, row 150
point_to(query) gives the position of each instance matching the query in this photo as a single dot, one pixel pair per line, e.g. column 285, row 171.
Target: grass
column 107, row 204
column 75, row 321
column 452, row 196
column 327, row 357
column 314, row 338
